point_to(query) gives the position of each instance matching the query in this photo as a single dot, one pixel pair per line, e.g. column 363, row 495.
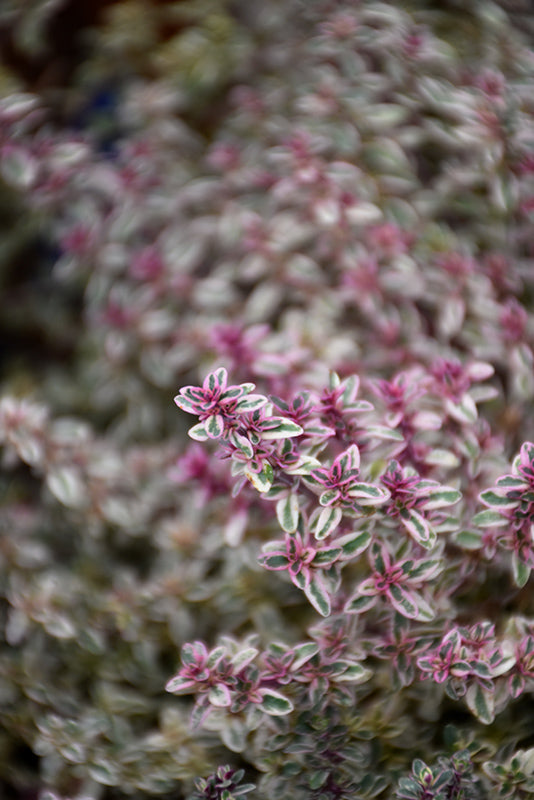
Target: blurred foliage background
column 139, row 582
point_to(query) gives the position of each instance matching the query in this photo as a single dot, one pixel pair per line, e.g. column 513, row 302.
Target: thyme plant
column 311, row 577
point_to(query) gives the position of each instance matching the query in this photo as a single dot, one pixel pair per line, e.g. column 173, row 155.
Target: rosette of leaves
column 224, row 784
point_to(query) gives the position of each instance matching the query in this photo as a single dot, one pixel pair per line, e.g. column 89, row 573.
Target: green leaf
column 489, row 519
column 469, row 540
column 378, row 557
column 421, row 770
column 67, row 486
column 424, row 611
column 274, row 703
column 189, row 652
column 303, row 653
column 321, row 431
column 103, row 772
column 214, row 426
column 382, row 432
column 318, row 596
column 219, row 696
column 303, row 466
column 426, row 569
column 261, row 481
column 511, row 482
column 218, row 379
column 241, row 443
column 444, row 496
column 353, row 544
column 481, row 703
column 381, row 116
column 410, row 604
column 279, row 428
column 328, row 520
column 19, row 168
column 274, row 561
column 349, row 459
column 250, row 403
column 179, row 685
column 464, row 412
column 402, row 601
column 299, row 580
column 327, row 497
column 367, row 493
column 409, row 788
column 360, row 603
column 520, row 571
column 419, row 528
column 287, row 512
column 326, row 556
column 442, row 458
column 481, row 669
column 494, row 499
column 198, row 433
column 215, row 656
column 355, row 673
column 317, row 779
column 234, row 734
column 244, row 657
column 276, row 492
column 233, row 392
column 185, row 404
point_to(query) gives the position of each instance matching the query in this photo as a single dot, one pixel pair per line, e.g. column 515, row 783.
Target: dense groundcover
column 311, row 223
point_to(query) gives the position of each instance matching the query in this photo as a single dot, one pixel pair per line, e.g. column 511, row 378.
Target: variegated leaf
column 464, row 412
column 279, row 428
column 303, row 653
column 328, row 520
column 419, row 528
column 185, row 404
column 354, row 673
column 328, row 497
column 497, row 499
column 241, row 443
column 303, row 466
column 244, row 658
column 198, row 433
column 317, row 594
column 216, row 380
column 219, row 696
column 489, row 519
column 261, row 481
column 520, row 571
column 359, row 603
column 481, row 703
column 511, row 482
column 214, row 426
column 326, row 556
column 274, row 561
column 274, row 703
column 468, row 540
column 443, row 496
column 368, row 494
column 251, row 402
column 287, row 512
column 353, row 544
column 179, row 685
column 409, row 603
